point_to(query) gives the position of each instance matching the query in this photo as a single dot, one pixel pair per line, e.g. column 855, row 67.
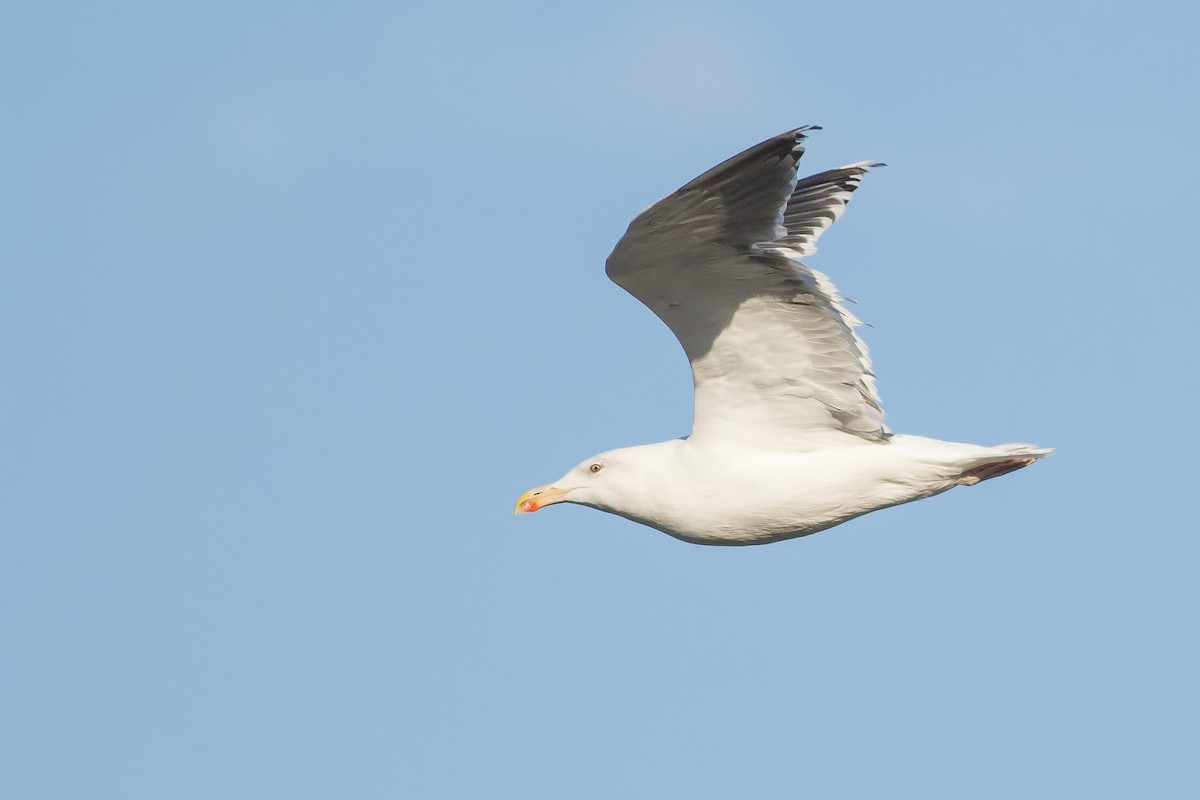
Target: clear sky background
column 295, row 299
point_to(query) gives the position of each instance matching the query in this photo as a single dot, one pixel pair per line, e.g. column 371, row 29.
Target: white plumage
column 788, row 435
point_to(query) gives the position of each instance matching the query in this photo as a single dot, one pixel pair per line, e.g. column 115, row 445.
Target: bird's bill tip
column 539, row 498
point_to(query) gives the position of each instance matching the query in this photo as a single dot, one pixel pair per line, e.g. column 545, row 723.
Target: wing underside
column 774, row 353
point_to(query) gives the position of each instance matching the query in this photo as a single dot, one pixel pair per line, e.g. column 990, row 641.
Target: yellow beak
column 537, row 498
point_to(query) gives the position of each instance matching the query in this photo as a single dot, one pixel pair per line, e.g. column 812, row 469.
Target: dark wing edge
column 817, row 202
column 753, row 198
column 737, row 203
column 787, row 144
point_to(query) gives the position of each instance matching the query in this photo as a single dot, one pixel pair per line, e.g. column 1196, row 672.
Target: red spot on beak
column 529, row 505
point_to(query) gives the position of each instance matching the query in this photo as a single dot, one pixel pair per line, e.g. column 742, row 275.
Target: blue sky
column 297, row 298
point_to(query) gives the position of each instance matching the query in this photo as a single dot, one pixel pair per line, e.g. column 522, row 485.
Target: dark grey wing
column 737, row 203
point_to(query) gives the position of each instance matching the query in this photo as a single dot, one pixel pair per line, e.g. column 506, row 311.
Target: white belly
column 741, row 497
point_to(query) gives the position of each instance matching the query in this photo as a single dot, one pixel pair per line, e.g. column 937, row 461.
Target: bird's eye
column 594, row 468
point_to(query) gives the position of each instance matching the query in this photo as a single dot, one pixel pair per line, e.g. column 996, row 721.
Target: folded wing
column 774, row 355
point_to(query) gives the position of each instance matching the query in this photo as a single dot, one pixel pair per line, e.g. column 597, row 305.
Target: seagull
column 788, row 435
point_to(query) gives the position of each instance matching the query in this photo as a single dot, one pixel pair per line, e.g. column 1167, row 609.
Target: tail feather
column 1022, row 449
column 1011, row 458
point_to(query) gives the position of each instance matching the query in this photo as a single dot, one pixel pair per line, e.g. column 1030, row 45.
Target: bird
column 788, row 436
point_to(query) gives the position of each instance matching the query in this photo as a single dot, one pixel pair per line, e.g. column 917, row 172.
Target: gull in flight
column 788, row 435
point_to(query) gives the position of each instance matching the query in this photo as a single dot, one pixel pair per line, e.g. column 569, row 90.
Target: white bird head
column 586, row 483
column 616, row 481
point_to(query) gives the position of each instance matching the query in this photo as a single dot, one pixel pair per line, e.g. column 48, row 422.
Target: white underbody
column 720, row 493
